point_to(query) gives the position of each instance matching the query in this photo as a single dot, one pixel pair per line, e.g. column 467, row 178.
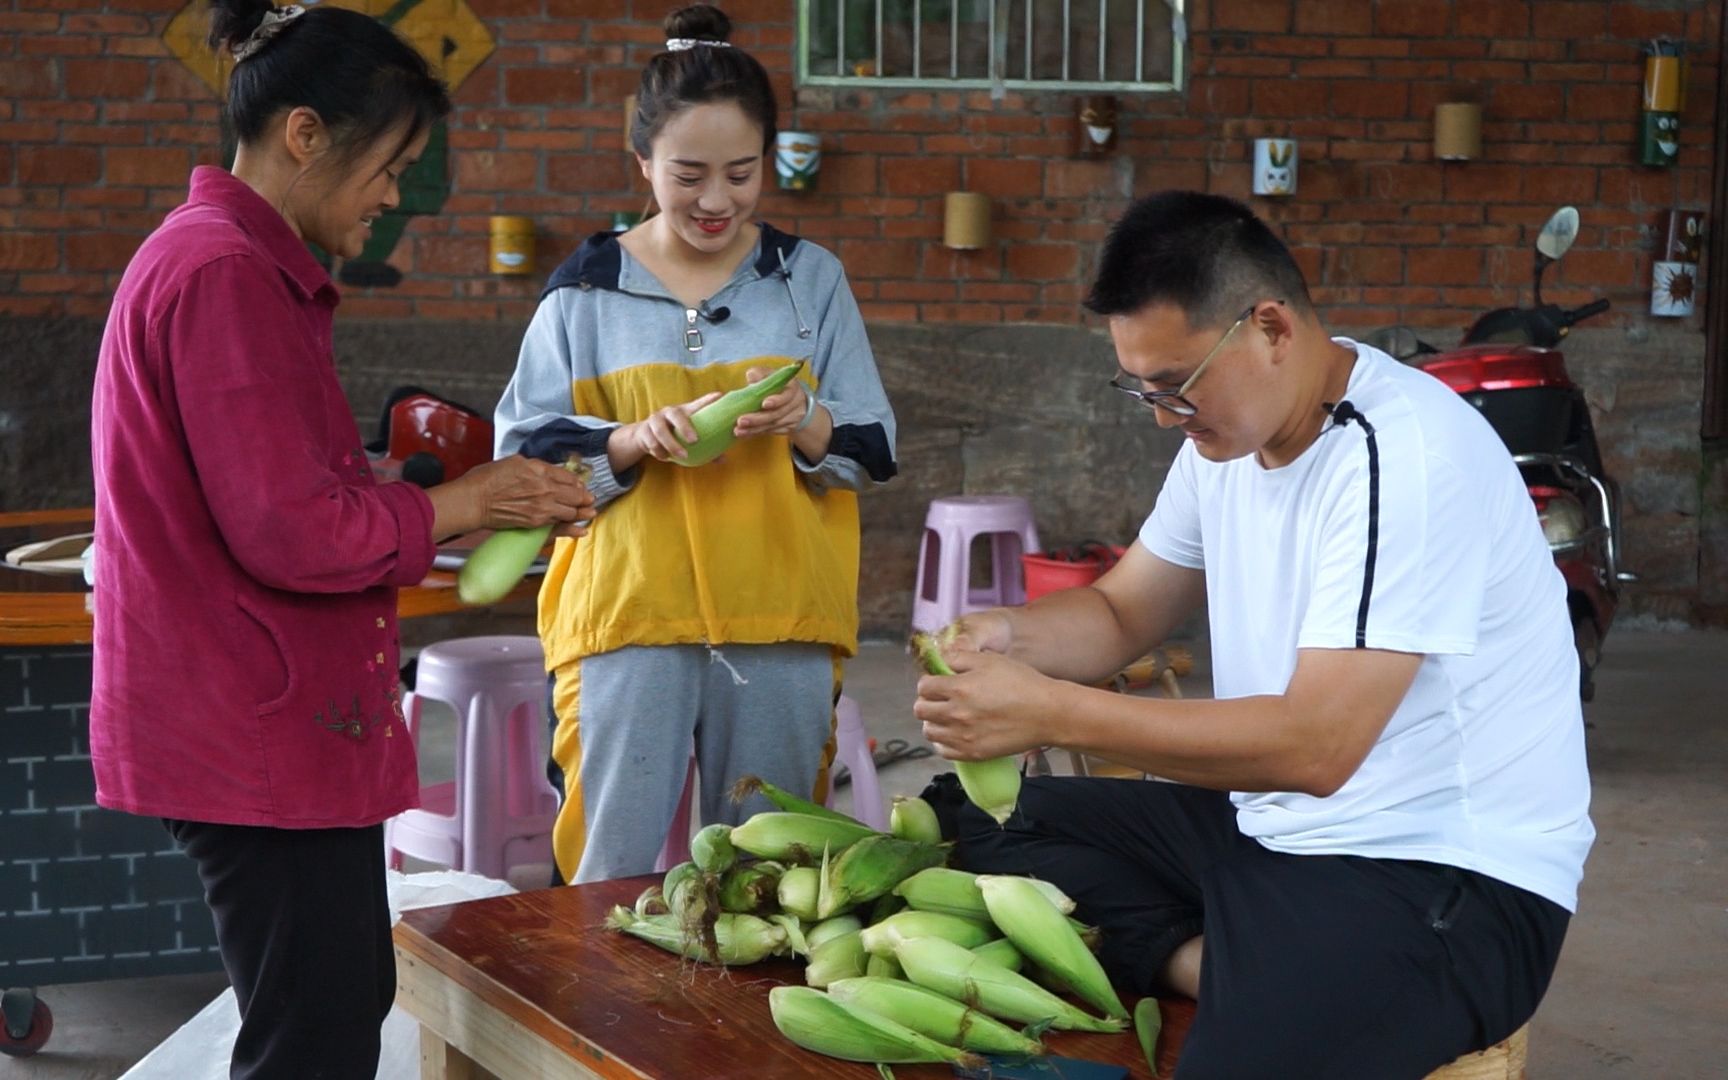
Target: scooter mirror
column 1556, row 237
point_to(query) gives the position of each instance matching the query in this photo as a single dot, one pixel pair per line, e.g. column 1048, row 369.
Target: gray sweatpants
column 628, row 721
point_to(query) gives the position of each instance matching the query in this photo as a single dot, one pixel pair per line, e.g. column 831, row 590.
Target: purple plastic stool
column 498, row 812
column 851, row 748
column 944, row 591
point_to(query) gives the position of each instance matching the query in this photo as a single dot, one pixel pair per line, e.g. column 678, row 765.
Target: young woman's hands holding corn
column 663, row 436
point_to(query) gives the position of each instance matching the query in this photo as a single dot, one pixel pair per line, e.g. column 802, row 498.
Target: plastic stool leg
column 854, row 746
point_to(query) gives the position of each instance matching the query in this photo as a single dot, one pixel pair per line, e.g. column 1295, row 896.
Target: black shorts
column 1314, row 965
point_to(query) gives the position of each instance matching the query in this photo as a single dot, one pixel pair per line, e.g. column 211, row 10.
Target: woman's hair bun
column 699, row 22
column 232, row 21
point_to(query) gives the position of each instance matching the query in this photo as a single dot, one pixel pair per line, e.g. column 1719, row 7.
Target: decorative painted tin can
column 512, row 245
column 797, row 157
column 1274, row 166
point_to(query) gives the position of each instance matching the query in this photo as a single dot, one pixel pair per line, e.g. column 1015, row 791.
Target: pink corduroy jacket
column 246, row 564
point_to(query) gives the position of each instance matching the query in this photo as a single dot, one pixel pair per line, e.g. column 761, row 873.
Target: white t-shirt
column 1482, row 765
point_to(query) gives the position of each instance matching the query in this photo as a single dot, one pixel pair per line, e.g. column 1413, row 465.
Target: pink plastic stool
column 944, row 590
column 852, row 749
column 499, row 810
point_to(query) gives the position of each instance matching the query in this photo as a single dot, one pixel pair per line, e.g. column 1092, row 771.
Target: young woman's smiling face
column 706, row 172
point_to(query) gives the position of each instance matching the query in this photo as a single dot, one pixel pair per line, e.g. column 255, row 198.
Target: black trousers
column 303, row 922
column 1315, row 966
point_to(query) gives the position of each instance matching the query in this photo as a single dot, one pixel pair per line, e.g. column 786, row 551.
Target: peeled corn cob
column 871, row 868
column 493, row 569
column 911, row 818
column 880, row 938
column 948, row 969
column 796, row 837
column 942, row 1018
column 993, row 786
column 817, row 1022
column 784, row 800
column 739, row 939
column 956, row 893
column 1041, row 932
column 715, row 421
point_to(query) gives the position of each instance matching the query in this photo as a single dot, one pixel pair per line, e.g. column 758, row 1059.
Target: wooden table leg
column 441, row 1061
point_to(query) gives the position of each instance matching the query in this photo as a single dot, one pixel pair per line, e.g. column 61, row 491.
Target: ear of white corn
column 797, row 891
column 1002, row 952
column 1028, row 919
column 784, row 800
column 651, row 902
column 948, row 969
column 711, row 849
column 750, row 888
column 839, row 924
column 871, row 868
column 885, row 967
column 817, row 1022
column 942, row 1018
column 1148, row 1022
column 797, row 838
column 911, row 818
column 739, row 939
column 880, row 938
column 840, row 957
column 993, row 786
column 795, row 942
column 955, row 892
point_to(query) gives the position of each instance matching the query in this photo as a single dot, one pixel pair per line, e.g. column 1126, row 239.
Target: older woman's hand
column 513, row 492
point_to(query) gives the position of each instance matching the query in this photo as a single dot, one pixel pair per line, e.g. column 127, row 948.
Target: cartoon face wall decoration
column 1095, row 126
column 1275, row 167
column 797, row 157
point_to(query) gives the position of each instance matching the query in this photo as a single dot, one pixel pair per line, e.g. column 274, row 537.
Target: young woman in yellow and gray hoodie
column 709, row 607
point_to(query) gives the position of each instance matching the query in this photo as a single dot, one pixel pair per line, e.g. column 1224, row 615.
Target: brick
column 59, row 45
column 1444, row 266
column 56, row 166
column 1638, row 22
column 588, row 172
column 1005, row 179
column 172, row 82
column 1525, row 101
column 612, row 84
column 100, row 251
column 23, row 251
column 1478, row 182
column 1334, row 17
column 1354, row 97
column 1560, row 185
column 1607, row 101
column 543, row 86
column 1042, row 262
column 151, row 166
column 1290, row 97
column 1084, row 179
column 1413, row 18
column 1262, row 16
column 487, row 170
column 879, row 258
column 1492, row 18
column 919, row 176
column 29, row 79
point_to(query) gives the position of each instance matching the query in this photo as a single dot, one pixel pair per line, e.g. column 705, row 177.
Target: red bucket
column 1068, row 568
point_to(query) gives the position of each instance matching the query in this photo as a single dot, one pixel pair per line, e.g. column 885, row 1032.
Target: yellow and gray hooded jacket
column 760, row 547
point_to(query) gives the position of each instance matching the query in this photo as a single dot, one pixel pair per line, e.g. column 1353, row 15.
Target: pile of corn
column 905, row 960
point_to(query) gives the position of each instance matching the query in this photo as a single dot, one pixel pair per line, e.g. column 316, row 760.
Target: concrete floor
column 1642, row 989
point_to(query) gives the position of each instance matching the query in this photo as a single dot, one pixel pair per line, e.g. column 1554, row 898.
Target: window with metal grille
column 1117, row 45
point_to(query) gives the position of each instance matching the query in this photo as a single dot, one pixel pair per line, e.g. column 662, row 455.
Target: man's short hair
column 1206, row 254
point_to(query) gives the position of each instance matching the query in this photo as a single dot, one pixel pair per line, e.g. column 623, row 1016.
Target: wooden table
column 531, row 986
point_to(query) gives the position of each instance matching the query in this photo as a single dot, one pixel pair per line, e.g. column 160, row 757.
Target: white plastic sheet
column 201, row 1048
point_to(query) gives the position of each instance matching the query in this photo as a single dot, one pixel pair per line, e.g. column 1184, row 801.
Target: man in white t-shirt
column 1367, row 860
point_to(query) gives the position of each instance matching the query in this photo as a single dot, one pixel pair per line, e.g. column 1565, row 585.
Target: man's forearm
column 1072, row 634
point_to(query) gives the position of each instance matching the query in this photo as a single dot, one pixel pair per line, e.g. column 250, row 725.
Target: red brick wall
column 99, row 126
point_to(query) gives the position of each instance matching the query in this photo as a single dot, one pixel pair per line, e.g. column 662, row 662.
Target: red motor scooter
column 1509, row 367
